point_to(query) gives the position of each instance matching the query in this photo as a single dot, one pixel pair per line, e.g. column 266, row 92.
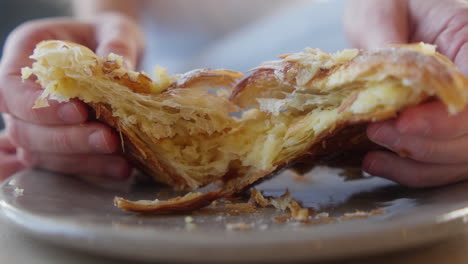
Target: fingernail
column 118, row 170
column 69, row 113
column 384, row 134
column 98, row 142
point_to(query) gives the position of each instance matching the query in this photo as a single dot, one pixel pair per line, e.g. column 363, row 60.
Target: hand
column 60, row 138
column 435, row 143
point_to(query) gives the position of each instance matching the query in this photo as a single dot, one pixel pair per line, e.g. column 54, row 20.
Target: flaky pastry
column 305, row 107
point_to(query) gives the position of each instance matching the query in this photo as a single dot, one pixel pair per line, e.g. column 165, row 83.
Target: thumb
column 120, row 35
column 373, row 24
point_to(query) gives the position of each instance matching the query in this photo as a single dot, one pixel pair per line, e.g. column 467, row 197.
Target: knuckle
column 454, row 35
column 61, row 142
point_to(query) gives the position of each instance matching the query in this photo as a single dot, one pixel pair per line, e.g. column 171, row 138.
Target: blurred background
column 14, row 12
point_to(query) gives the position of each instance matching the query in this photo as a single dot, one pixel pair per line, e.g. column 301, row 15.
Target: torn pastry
column 178, row 131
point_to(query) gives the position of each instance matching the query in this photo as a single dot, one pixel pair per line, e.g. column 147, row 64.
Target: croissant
column 214, row 126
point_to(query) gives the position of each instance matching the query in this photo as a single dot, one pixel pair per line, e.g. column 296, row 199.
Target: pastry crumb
column 361, row 214
column 357, row 214
column 238, row 226
column 257, row 197
column 281, row 203
column 297, row 212
column 282, row 219
column 18, row 192
column 322, row 215
column 242, row 207
column 377, row 212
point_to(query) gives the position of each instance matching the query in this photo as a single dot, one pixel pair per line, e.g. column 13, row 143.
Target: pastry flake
column 177, row 130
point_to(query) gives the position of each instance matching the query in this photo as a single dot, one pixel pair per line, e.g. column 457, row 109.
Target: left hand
column 434, row 143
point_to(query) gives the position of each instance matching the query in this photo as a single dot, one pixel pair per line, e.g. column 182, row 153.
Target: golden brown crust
column 175, row 205
column 432, row 74
column 328, row 88
column 208, row 78
column 135, row 150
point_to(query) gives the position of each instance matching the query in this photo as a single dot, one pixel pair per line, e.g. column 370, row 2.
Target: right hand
column 59, row 137
column 434, row 142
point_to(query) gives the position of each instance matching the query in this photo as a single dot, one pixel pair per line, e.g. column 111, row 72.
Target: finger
column 419, row 148
column 87, row 138
column 110, row 166
column 22, row 41
column 20, row 98
column 452, row 41
column 372, row 24
column 423, row 149
column 432, row 120
column 16, row 97
column 119, row 35
column 9, row 164
column 412, row 173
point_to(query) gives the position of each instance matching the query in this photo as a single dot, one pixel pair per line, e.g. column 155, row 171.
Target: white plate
column 75, row 214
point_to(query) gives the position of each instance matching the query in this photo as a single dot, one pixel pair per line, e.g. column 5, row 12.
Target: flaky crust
column 313, row 107
column 433, row 75
column 135, row 150
column 175, row 205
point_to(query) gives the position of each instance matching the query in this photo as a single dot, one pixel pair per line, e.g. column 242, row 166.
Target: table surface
column 15, row 247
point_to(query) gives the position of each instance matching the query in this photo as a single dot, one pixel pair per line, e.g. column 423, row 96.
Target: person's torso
column 235, row 34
